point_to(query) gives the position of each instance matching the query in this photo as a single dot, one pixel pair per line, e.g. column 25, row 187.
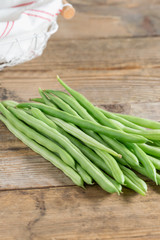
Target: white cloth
column 25, row 27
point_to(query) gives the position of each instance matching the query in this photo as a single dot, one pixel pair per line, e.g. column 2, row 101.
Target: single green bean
column 46, row 100
column 9, row 103
column 48, row 155
column 31, row 133
column 158, row 178
column 113, row 143
column 84, row 175
column 155, row 161
column 144, row 159
column 91, row 169
column 39, row 100
column 150, row 134
column 154, row 151
column 147, row 123
column 85, row 123
column 120, row 119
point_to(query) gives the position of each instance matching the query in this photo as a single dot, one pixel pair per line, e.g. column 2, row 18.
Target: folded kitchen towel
column 25, row 27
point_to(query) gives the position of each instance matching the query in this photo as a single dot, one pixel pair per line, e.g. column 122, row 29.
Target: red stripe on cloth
column 23, row 4
column 10, row 28
column 33, row 15
column 5, row 30
column 41, row 11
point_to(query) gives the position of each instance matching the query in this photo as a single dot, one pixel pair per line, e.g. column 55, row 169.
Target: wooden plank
column 108, row 71
column 72, row 213
column 110, row 19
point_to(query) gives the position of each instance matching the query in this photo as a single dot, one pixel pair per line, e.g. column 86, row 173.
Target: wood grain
column 111, row 19
column 110, row 53
column 72, row 213
column 107, row 71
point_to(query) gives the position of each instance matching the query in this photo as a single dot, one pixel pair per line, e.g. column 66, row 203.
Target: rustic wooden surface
column 110, row 52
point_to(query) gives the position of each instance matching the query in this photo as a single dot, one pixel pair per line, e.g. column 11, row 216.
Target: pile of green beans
column 87, row 143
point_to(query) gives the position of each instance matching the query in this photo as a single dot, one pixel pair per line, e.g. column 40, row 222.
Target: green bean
column 69, row 109
column 150, row 134
column 157, row 143
column 66, row 107
column 117, row 173
column 90, row 154
column 97, row 160
column 130, row 178
column 158, row 178
column 84, row 175
column 46, row 100
column 89, row 106
column 141, row 170
column 112, row 165
column 114, row 182
column 91, row 169
column 9, row 103
column 78, row 133
column 83, row 137
column 85, row 123
column 120, row 119
column 29, row 132
column 48, row 155
column 61, row 104
column 101, row 164
column 147, row 123
column 155, row 161
column 134, row 187
column 133, row 177
column 117, row 146
column 74, row 140
column 39, row 100
column 154, row 151
column 144, row 159
column 135, row 183
column 130, row 158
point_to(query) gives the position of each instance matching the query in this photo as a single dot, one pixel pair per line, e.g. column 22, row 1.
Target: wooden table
column 110, row 52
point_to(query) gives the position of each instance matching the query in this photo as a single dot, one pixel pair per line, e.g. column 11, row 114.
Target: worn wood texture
column 111, row 19
column 110, row 53
column 70, row 213
column 107, row 71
